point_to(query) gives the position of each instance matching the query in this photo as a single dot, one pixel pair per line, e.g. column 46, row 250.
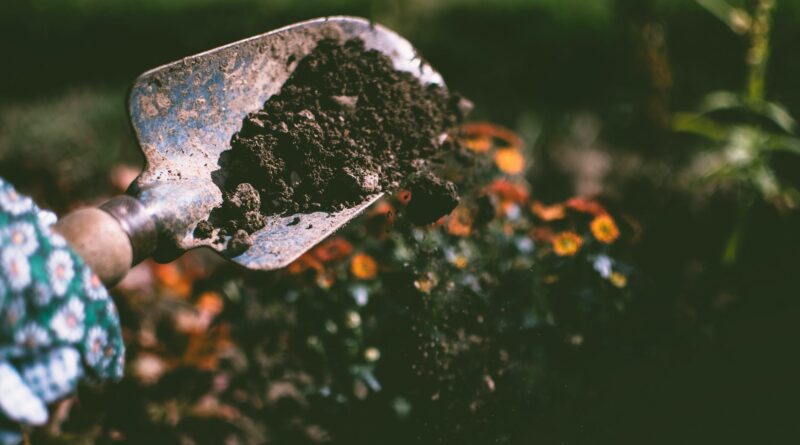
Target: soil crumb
column 240, row 242
column 344, row 126
column 431, row 198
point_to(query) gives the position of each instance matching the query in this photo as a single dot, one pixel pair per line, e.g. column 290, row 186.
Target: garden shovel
column 184, row 115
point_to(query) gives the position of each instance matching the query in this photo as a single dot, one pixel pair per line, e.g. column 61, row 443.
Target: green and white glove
column 58, row 325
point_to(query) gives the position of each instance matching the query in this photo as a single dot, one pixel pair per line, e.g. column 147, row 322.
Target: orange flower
column 459, row 223
column 210, row 302
column 482, row 135
column 585, row 205
column 548, row 213
column 173, row 279
column 508, row 191
column 333, row 249
column 509, row 160
column 566, row 243
column 297, row 266
column 363, row 266
column 305, row 262
column 480, row 144
column 167, row 274
column 604, row 229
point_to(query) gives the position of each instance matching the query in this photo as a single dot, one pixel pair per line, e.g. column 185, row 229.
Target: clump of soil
column 344, row 126
column 431, row 198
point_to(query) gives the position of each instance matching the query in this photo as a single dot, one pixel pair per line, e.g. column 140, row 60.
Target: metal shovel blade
column 185, row 113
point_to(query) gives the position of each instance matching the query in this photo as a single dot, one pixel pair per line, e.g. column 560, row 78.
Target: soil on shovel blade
column 345, row 125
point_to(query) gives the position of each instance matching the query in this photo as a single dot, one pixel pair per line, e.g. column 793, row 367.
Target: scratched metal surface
column 185, row 113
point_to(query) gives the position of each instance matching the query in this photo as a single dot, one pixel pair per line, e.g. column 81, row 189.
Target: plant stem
column 758, row 54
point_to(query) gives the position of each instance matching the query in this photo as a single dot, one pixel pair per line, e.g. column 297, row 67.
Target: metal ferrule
column 137, row 224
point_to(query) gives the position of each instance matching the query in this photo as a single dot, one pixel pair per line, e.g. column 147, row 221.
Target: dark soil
column 431, row 198
column 344, row 126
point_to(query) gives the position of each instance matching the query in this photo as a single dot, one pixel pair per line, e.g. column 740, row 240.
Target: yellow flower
column 619, row 280
column 567, row 243
column 509, row 160
column 605, row 229
column 363, row 266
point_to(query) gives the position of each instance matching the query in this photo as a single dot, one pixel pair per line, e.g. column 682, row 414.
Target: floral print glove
column 58, row 325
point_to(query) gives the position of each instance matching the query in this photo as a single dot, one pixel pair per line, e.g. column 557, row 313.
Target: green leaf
column 700, row 125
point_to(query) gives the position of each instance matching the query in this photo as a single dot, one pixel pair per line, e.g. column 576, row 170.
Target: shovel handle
column 112, row 238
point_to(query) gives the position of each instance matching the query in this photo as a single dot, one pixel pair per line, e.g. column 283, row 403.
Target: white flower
column 524, row 244
column 513, row 212
column 21, row 236
column 60, row 271
column 96, row 342
column 16, row 268
column 360, row 294
column 32, row 335
column 111, row 310
column 602, row 264
column 14, row 203
column 42, row 294
column 46, row 219
column 472, row 282
column 93, row 286
column 67, row 323
column 56, row 240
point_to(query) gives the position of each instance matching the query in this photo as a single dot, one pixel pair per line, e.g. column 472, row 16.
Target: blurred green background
column 68, row 63
column 710, row 352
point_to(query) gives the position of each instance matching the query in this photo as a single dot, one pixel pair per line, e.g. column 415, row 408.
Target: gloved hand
column 58, row 325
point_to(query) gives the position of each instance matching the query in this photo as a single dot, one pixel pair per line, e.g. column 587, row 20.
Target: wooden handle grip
column 100, row 240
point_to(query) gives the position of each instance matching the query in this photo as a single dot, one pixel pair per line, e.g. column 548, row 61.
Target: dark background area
column 708, row 351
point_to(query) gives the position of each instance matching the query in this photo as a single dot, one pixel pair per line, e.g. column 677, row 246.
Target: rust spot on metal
column 148, row 107
column 162, row 100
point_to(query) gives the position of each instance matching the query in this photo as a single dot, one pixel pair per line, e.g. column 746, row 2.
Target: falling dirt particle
column 431, row 198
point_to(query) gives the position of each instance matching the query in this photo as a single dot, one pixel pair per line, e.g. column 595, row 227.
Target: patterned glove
column 58, row 325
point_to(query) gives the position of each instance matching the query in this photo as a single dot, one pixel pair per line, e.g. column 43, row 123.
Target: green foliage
column 742, row 132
